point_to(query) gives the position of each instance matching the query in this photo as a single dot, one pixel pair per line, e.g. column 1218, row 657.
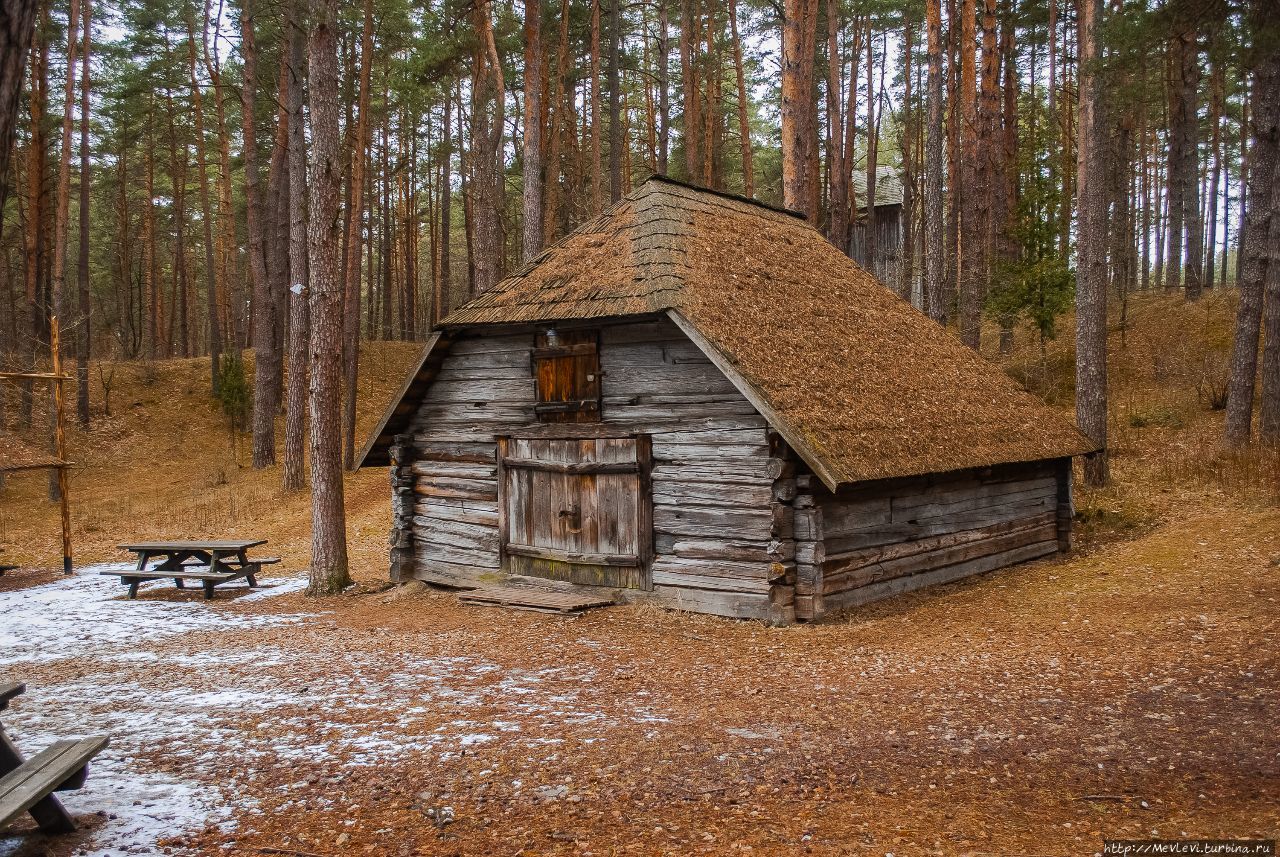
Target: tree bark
column 265, row 403
column 1260, row 222
column 208, row 216
column 486, row 131
column 617, row 140
column 533, row 160
column 1187, row 125
column 295, row 427
column 664, row 88
column 934, row 274
column 971, row 192
column 837, row 172
column 329, row 573
column 1091, row 271
column 84, row 325
column 689, row 79
column 799, row 34
column 351, row 287
column 17, row 26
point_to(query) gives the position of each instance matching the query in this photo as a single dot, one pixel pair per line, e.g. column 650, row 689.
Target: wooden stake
column 60, row 442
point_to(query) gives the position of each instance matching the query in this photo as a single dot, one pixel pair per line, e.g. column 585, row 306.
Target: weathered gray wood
column 466, row 511
column 726, row 548
column 695, row 521
column 884, row 589
column 455, row 469
column 30, row 787
column 838, row 575
column 675, row 493
column 738, row 605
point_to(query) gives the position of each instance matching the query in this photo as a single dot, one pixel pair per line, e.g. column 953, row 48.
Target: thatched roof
column 860, row 383
column 17, row 454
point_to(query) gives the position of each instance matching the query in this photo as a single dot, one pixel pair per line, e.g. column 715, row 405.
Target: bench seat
column 173, row 574
column 62, row 766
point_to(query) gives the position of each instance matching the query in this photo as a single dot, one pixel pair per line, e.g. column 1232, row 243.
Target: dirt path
column 977, row 718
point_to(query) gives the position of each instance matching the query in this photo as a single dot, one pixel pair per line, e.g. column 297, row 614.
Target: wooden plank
column 537, row 599
column 838, row 577
column 732, row 549
column 886, row 588
column 35, row 779
column 218, row 545
column 576, row 467
column 559, row 555
column 455, row 469
column 455, row 493
column 8, row 690
column 672, row 567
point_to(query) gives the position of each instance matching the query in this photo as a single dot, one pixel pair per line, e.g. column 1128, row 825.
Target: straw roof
column 860, row 383
column 17, row 454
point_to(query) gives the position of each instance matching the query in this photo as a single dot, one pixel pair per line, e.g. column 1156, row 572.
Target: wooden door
column 577, row 509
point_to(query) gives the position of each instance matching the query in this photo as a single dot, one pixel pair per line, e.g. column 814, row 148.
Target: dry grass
column 163, row 466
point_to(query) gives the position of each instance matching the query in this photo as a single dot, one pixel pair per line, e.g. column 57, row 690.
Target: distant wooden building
column 885, row 221
column 695, row 400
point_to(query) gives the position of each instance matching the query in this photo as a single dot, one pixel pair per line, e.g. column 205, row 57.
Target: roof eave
column 790, row 434
column 376, row 451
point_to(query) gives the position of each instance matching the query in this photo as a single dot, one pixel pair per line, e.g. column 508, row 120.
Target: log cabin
column 695, row 400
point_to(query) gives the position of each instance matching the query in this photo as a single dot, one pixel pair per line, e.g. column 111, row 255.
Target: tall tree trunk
column 62, row 217
column 208, row 217
column 799, row 34
column 664, row 87
column 17, row 27
column 1091, row 270
column 1215, row 123
column 295, row 426
column 533, row 162
column 486, row 130
column 597, row 168
column 744, row 101
column 1261, row 221
column 617, row 142
column 446, row 211
column 265, row 403
column 970, row 235
column 84, row 326
column 692, row 106
column 837, row 173
column 329, row 574
column 230, row 289
column 1187, row 125
column 934, row 275
column 351, row 288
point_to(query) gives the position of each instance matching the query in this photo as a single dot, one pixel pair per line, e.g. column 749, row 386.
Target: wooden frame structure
column 57, row 378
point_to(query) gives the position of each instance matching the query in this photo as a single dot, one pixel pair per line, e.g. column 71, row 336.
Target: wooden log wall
column 722, row 482
column 878, row 539
column 402, row 503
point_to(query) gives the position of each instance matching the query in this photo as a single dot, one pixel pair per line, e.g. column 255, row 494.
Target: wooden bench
column 28, row 785
column 60, row 767
column 209, row 563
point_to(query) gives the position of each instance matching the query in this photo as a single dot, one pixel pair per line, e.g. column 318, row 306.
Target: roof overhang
column 377, row 449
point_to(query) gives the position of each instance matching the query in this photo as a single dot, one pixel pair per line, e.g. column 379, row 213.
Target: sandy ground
column 1128, row 690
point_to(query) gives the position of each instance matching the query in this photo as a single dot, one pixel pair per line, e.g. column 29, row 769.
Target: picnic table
column 28, row 785
column 207, row 562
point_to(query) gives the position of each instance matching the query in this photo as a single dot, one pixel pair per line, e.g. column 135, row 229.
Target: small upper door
column 566, row 365
column 577, row 509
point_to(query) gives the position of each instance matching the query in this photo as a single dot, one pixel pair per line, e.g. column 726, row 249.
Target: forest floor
column 1126, row 691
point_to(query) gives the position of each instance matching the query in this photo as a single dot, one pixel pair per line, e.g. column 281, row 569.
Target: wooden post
column 60, row 442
